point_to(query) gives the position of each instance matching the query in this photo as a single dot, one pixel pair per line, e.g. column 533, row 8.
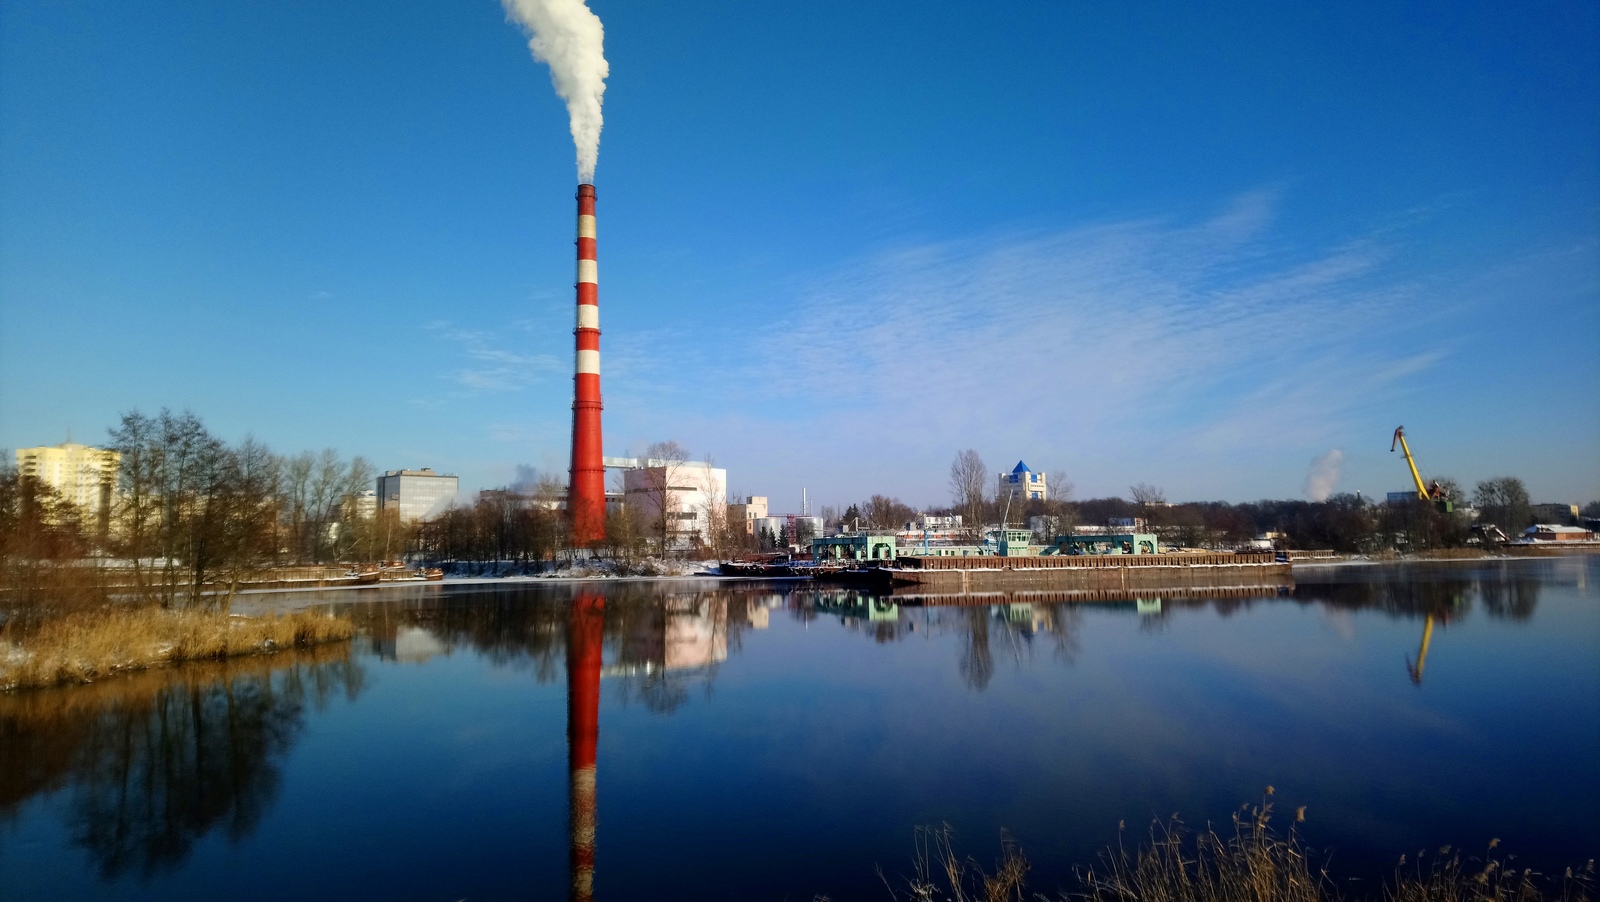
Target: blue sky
column 1194, row 245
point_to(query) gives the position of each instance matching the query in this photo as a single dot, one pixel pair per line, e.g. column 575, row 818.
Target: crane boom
column 1400, row 437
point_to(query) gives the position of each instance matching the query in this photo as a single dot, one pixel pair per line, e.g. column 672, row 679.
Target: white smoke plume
column 568, row 37
column 1323, row 477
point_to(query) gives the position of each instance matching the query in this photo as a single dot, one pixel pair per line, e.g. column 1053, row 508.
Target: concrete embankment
column 1131, row 573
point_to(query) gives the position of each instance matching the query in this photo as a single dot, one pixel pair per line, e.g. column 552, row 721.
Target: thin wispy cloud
column 488, row 366
column 1206, row 335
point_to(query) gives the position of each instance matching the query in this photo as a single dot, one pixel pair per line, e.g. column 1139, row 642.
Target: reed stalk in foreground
column 88, row 646
column 1253, row 864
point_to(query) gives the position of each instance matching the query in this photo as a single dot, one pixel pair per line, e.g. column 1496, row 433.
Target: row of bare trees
column 1342, row 522
column 189, row 513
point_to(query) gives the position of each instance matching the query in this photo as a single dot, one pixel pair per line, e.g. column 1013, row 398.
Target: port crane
column 1436, row 492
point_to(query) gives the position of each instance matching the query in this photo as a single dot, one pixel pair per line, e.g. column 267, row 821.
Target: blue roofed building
column 1022, row 484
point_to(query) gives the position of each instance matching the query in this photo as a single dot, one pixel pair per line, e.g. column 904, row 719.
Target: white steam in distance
column 568, row 37
column 1323, row 477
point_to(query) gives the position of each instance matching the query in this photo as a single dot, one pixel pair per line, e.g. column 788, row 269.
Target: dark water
column 766, row 742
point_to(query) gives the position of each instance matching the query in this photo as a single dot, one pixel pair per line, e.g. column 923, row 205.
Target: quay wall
column 1109, row 573
column 914, row 598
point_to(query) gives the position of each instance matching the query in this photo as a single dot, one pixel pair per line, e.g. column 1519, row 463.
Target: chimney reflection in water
column 585, row 630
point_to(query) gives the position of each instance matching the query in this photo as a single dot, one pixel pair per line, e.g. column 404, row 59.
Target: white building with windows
column 416, row 494
column 1022, row 484
column 688, row 493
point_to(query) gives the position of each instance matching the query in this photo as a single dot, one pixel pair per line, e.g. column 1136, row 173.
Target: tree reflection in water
column 1012, row 620
column 155, row 761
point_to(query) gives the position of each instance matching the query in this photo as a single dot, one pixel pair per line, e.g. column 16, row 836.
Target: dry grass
column 1450, row 878
column 940, row 875
column 84, row 647
column 1253, row 864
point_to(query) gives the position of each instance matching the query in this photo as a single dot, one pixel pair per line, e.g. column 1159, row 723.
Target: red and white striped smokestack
column 586, row 492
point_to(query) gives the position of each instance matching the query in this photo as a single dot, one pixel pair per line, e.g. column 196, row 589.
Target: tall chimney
column 586, row 492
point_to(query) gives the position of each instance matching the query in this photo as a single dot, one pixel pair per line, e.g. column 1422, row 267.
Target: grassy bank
column 1255, row 863
column 91, row 645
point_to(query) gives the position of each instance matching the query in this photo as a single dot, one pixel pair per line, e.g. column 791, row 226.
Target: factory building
column 745, row 513
column 685, row 493
column 790, row 529
column 416, row 494
column 83, row 475
column 1559, row 514
column 1022, row 484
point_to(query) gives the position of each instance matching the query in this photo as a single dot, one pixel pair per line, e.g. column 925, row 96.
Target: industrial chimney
column 586, row 492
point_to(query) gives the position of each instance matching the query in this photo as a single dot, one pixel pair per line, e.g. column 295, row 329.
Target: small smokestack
column 586, row 492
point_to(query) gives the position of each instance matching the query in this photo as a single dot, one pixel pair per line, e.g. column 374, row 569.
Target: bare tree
column 1145, row 494
column 884, row 512
column 718, row 531
column 661, row 466
column 1060, row 513
column 969, row 486
column 297, row 500
column 1504, row 502
column 1149, row 498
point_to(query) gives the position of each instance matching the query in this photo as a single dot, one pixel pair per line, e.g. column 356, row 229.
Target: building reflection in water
column 654, row 644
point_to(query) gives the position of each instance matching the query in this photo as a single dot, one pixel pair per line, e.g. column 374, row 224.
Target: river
column 783, row 741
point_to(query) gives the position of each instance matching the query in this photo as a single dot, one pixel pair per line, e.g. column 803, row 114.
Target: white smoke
column 1323, row 477
column 568, row 37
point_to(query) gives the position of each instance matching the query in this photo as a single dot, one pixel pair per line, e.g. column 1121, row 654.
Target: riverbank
column 92, row 645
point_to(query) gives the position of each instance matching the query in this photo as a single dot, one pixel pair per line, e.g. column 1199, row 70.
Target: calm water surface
column 778, row 742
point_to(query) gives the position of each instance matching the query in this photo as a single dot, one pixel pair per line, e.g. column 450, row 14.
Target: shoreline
column 90, row 646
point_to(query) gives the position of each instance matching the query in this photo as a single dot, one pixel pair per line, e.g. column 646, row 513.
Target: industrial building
column 1547, row 532
column 745, row 513
column 685, row 493
column 790, row 529
column 416, row 494
column 83, row 475
column 1559, row 514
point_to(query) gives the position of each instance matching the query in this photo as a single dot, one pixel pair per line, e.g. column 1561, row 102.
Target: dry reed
column 940, row 875
column 1255, row 863
column 84, row 647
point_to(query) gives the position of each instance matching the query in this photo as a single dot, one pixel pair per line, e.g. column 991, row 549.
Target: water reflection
column 663, row 644
column 1167, row 706
column 155, row 761
column 585, row 636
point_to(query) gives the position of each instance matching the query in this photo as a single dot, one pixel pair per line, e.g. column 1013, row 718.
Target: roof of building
column 1021, row 468
column 1546, row 527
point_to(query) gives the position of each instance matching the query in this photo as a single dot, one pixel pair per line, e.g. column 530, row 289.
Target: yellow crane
column 1437, row 493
